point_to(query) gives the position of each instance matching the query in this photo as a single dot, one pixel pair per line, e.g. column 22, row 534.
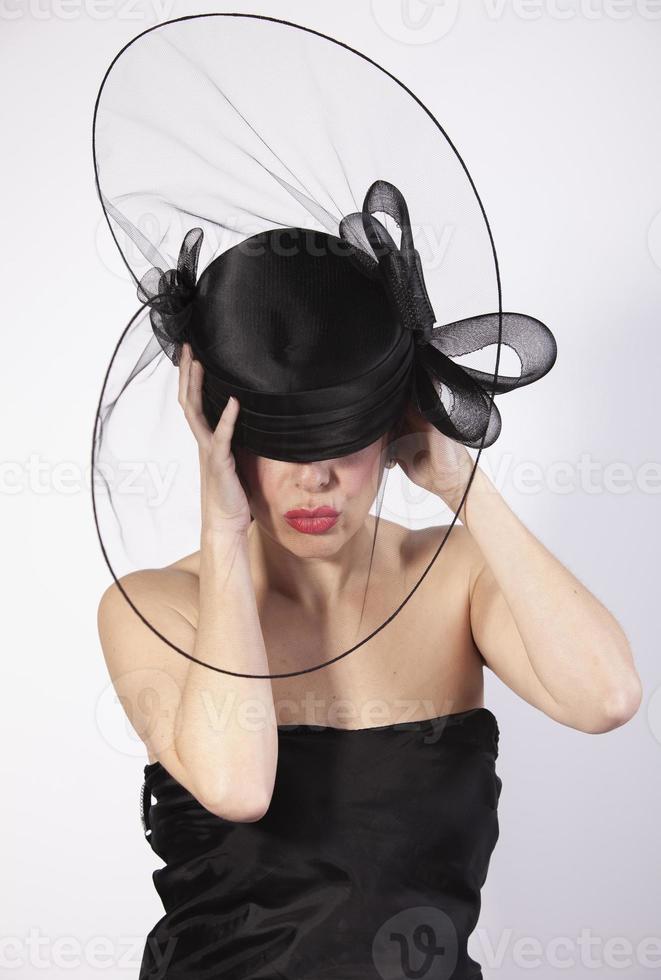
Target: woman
column 259, row 598
column 337, row 822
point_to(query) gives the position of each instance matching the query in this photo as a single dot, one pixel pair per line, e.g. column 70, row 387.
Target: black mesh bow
column 471, row 416
column 169, row 294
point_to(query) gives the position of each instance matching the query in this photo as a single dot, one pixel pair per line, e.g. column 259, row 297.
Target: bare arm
column 212, row 732
column 538, row 628
column 227, row 732
column 215, row 733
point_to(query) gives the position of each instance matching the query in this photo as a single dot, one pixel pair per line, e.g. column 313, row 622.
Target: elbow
column 626, row 701
column 239, row 792
column 620, row 707
column 248, row 806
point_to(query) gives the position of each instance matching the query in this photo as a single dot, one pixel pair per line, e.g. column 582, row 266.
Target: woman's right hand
column 224, row 503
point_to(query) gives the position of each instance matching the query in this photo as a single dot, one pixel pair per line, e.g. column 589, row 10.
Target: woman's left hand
column 430, row 459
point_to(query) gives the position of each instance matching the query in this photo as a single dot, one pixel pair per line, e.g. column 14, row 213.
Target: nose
column 313, row 476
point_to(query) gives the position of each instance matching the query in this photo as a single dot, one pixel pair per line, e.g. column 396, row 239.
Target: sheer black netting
column 296, row 214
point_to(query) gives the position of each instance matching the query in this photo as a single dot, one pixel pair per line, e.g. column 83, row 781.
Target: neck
column 314, row 583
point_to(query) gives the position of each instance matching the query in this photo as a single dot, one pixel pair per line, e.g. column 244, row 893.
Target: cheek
column 246, row 470
column 361, row 478
column 264, row 482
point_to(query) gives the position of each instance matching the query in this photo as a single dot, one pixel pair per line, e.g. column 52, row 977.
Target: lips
column 315, row 521
column 317, row 512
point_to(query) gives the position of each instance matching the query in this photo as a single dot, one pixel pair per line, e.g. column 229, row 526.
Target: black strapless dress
column 368, row 863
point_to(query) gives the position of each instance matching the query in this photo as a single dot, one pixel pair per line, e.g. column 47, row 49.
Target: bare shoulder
column 158, row 591
column 146, row 671
column 453, row 666
column 459, row 552
column 133, row 611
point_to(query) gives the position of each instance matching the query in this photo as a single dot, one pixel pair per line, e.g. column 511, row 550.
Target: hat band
column 322, row 423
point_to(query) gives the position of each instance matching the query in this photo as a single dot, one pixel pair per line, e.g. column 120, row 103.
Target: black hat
column 346, row 257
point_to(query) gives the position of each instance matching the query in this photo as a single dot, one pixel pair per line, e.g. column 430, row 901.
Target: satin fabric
column 308, row 343
column 368, row 863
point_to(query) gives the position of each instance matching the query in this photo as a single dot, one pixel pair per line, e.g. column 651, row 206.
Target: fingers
column 184, row 369
column 222, row 436
column 194, row 392
column 191, row 375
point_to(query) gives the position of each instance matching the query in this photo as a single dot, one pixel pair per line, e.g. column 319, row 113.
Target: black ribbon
column 170, row 294
column 471, row 417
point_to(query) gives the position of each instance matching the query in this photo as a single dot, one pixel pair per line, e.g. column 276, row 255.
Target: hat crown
column 288, row 310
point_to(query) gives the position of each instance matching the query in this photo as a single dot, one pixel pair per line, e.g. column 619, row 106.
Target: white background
column 554, row 107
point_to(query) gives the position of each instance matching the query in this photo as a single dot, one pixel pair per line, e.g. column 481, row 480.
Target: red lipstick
column 314, row 521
